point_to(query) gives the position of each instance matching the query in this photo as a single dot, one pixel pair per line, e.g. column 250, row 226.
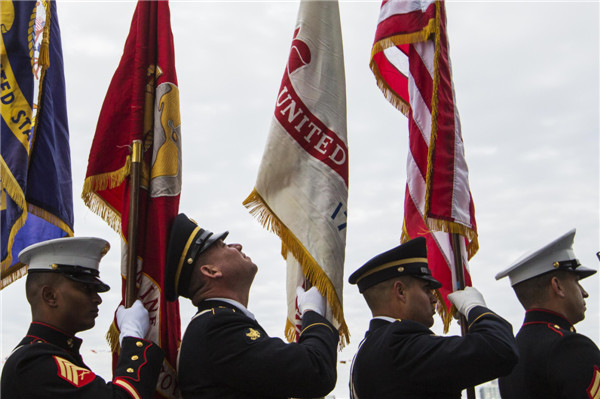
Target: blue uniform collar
column 535, row 316
column 40, row 332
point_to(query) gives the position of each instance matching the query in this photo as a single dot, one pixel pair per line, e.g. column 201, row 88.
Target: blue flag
column 36, row 187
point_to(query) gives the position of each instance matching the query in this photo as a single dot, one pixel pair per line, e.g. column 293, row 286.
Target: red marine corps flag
column 411, row 61
column 302, row 187
column 142, row 106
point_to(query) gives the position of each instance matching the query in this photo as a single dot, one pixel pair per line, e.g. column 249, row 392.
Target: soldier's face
column 233, row 261
column 77, row 306
column 420, row 302
column 574, row 298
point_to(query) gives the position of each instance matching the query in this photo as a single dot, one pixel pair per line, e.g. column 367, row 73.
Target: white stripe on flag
column 392, row 8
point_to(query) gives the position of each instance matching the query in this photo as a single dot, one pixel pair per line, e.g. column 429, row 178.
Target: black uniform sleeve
column 488, row 351
column 40, row 371
column 246, row 359
column 138, row 367
column 574, row 368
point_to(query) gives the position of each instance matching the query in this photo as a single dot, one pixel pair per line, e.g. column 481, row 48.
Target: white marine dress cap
column 77, row 258
column 557, row 255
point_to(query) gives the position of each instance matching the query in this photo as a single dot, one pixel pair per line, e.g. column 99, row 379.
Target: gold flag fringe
column 388, row 93
column 11, row 275
column 445, row 313
column 393, row 41
column 112, row 337
column 102, row 182
column 9, row 184
column 311, row 269
column 290, row 330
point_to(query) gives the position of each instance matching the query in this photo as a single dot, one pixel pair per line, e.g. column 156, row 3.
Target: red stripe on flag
column 394, row 79
column 399, row 24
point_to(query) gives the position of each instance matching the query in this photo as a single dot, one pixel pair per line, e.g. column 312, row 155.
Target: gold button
column 139, row 344
column 134, row 357
column 129, row 370
column 556, row 326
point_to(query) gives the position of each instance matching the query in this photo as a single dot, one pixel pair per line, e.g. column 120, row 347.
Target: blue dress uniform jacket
column 404, row 359
column 47, row 364
column 226, row 354
column 555, row 361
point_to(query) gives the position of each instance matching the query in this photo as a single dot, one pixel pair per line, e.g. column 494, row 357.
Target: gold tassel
column 112, row 337
column 44, row 56
column 310, row 268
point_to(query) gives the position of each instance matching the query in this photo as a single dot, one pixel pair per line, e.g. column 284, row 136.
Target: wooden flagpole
column 460, row 279
column 132, row 227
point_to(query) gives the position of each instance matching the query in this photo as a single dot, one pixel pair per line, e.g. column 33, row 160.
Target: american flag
column 411, row 62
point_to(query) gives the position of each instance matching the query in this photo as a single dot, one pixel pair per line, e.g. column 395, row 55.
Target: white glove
column 310, row 300
column 133, row 321
column 466, row 299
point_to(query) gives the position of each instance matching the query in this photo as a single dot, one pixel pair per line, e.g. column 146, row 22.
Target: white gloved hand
column 466, row 299
column 133, row 321
column 310, row 300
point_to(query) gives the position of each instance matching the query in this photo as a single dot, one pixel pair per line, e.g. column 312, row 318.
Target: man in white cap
column 555, row 361
column 225, row 353
column 62, row 289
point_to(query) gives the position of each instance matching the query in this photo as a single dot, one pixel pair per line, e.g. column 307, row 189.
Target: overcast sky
column 526, row 77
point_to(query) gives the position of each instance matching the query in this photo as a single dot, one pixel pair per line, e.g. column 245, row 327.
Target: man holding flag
column 63, row 288
column 411, row 62
column 399, row 356
column 225, row 353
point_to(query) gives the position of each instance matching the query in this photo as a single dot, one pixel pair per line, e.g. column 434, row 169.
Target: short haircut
column 36, row 280
column 377, row 294
column 534, row 291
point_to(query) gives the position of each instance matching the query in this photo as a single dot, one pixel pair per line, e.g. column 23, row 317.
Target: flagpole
column 460, row 280
column 132, row 228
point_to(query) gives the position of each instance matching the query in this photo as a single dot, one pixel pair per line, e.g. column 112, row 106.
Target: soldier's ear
column 400, row 290
column 210, row 271
column 557, row 287
column 49, row 295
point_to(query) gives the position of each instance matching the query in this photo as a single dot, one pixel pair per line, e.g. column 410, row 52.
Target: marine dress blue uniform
column 47, row 364
column 556, row 361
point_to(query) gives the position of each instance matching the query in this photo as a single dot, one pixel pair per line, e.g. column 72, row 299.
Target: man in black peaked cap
column 225, row 353
column 556, row 361
column 62, row 288
column 400, row 357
